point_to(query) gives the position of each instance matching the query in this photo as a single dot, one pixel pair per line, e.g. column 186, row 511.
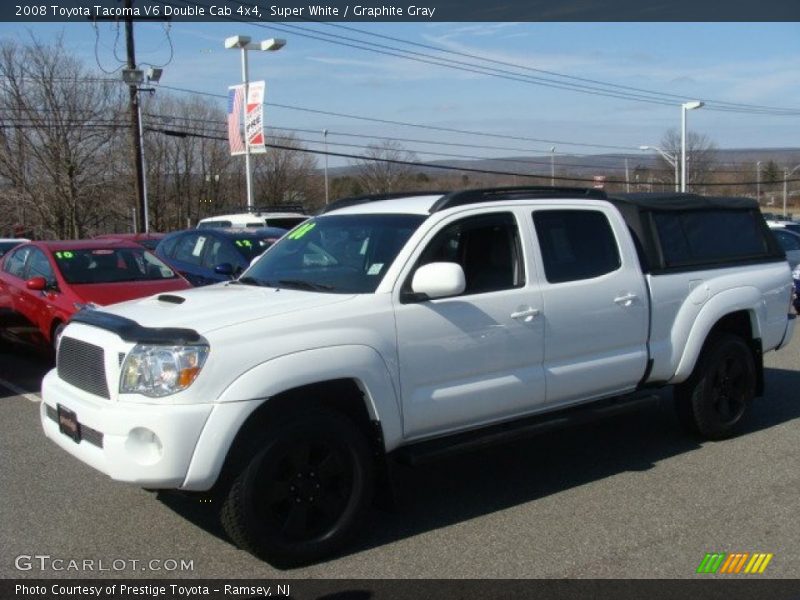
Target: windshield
column 337, row 253
column 111, row 265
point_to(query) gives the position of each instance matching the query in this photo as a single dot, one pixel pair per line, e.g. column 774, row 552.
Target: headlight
column 796, row 272
column 157, row 371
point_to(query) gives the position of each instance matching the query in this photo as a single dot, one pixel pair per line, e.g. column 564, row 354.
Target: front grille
column 83, row 365
column 88, row 434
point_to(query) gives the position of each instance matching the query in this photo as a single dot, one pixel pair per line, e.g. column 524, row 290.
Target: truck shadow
column 469, row 485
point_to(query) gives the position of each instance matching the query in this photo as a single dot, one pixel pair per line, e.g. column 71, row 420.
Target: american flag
column 235, row 102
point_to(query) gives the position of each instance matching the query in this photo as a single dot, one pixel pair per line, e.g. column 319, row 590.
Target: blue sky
column 752, row 63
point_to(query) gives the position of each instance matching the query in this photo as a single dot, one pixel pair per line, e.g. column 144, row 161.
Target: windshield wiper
column 305, row 285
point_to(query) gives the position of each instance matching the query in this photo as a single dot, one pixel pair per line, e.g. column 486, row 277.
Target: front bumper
column 147, row 444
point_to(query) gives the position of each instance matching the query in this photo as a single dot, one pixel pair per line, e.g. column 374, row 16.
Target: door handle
column 625, row 299
column 525, row 315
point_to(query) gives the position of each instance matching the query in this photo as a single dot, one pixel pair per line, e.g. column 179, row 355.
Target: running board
column 426, row 451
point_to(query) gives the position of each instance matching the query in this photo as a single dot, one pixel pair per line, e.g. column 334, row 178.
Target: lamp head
column 693, row 105
column 237, row 41
column 133, row 76
column 154, row 74
column 272, row 44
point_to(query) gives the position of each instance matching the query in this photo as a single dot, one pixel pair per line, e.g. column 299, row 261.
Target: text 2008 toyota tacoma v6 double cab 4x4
column 399, row 326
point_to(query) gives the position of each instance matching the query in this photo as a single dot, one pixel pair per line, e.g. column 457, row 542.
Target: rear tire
column 300, row 494
column 713, row 401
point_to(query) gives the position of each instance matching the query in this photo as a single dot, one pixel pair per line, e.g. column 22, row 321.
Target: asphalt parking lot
column 626, row 497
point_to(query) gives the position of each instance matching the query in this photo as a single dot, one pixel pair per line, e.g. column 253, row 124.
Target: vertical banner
column 254, row 124
column 235, row 120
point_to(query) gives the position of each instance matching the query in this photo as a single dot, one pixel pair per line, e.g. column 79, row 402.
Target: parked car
column 42, row 284
column 790, row 225
column 285, row 217
column 206, row 256
column 147, row 240
column 7, row 244
column 790, row 242
column 411, row 328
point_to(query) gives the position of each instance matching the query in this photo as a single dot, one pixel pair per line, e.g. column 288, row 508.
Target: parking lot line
column 19, row 391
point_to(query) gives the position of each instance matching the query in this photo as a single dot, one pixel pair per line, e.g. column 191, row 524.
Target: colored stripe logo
column 734, row 562
column 301, row 231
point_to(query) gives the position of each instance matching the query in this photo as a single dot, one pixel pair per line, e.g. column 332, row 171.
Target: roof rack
column 299, row 208
column 365, row 198
column 514, row 193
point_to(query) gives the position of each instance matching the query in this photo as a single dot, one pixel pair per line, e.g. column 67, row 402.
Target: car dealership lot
column 628, row 496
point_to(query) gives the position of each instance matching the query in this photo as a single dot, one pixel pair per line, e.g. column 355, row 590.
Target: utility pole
column 136, row 126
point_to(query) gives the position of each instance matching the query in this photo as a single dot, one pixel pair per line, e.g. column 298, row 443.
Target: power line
column 642, row 158
column 607, row 89
column 544, row 71
column 416, row 125
column 184, row 134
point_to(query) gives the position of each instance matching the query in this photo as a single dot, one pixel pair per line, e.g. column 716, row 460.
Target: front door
column 477, row 357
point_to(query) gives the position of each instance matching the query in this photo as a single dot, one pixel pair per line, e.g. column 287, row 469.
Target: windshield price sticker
column 244, row 243
column 64, row 255
column 301, row 231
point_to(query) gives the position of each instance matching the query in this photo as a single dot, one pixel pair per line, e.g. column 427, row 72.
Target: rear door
column 187, row 258
column 595, row 303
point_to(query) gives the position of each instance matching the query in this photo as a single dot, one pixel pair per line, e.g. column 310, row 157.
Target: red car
column 148, row 240
column 43, row 283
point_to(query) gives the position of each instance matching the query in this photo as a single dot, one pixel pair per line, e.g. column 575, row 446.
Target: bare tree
column 190, row 173
column 286, row 175
column 58, row 130
column 700, row 154
column 384, row 168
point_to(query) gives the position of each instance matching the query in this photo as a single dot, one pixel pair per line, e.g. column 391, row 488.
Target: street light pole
column 786, row 174
column 553, row 166
column 248, row 168
column 685, row 107
column 671, row 159
column 244, row 44
column 325, row 137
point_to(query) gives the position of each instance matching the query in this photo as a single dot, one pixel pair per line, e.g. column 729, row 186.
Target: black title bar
column 405, row 10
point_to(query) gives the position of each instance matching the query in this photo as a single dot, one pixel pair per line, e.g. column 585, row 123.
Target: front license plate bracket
column 68, row 423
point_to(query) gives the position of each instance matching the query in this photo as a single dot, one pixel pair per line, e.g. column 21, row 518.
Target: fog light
column 144, row 446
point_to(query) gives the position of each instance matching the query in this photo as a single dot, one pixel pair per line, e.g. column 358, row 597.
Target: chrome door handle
column 525, row 314
column 625, row 299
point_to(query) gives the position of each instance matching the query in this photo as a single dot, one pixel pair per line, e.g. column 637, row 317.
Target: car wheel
column 715, row 398
column 300, row 495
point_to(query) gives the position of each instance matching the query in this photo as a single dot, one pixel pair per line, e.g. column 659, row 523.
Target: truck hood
column 213, row 307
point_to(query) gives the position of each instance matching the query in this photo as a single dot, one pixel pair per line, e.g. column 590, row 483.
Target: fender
column 732, row 300
column 250, row 390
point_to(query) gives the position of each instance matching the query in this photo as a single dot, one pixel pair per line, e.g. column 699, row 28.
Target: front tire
column 713, row 401
column 300, row 495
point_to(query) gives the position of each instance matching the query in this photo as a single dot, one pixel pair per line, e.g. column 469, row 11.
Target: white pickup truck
column 407, row 326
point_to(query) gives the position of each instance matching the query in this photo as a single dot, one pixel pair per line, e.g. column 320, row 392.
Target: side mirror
column 36, row 284
column 438, row 280
column 224, row 269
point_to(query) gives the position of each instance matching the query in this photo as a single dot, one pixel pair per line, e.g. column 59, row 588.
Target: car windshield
column 110, row 265
column 335, row 253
